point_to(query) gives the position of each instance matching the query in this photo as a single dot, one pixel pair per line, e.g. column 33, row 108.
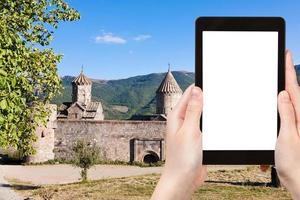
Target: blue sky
column 123, row 38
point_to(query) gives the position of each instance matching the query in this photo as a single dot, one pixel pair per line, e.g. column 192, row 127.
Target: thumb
column 194, row 108
column 287, row 113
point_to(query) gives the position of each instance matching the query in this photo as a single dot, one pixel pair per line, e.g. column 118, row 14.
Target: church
column 81, row 106
column 167, row 95
column 141, row 138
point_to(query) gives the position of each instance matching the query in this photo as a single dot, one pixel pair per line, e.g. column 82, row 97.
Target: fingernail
column 287, row 51
column 196, row 94
column 284, row 96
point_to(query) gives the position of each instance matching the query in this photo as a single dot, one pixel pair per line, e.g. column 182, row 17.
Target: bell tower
column 167, row 94
column 82, row 89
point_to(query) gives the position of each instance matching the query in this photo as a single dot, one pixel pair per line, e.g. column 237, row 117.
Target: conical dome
column 169, row 84
column 82, row 80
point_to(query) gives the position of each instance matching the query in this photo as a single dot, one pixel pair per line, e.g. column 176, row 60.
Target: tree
column 85, row 155
column 28, row 68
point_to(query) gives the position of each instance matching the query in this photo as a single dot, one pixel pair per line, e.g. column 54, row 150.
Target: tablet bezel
column 249, row 157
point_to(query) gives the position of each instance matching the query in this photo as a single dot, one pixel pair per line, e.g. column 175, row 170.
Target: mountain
column 297, row 67
column 125, row 97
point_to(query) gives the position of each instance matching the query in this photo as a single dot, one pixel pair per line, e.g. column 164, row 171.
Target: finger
column 291, row 78
column 292, row 86
column 194, row 109
column 287, row 115
column 202, row 176
column 176, row 116
column 264, row 168
column 180, row 108
column 204, row 171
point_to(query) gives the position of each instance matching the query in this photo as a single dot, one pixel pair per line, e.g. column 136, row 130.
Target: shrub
column 85, row 155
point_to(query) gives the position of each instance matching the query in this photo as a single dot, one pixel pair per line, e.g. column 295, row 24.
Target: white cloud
column 109, row 38
column 142, row 37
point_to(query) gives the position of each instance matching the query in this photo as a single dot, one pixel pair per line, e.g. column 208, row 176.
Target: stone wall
column 147, row 150
column 82, row 93
column 44, row 145
column 113, row 137
column 166, row 102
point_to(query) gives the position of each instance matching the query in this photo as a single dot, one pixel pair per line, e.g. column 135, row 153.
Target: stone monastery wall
column 118, row 140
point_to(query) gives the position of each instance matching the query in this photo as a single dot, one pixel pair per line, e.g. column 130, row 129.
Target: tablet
column 240, row 68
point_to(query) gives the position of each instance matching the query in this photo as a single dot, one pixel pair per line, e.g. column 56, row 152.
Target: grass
column 100, row 162
column 232, row 184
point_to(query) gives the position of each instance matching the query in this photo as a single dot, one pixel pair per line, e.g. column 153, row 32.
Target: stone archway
column 147, row 150
column 150, row 157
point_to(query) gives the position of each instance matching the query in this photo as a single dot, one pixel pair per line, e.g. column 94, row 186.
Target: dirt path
column 59, row 174
column 6, row 193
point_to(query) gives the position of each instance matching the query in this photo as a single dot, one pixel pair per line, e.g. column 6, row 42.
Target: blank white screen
column 239, row 90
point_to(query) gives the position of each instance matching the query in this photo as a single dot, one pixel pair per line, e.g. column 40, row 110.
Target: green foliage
column 28, row 73
column 85, row 155
column 10, row 156
column 99, row 162
column 137, row 93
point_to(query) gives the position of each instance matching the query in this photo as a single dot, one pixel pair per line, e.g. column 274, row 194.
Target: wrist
column 184, row 181
column 293, row 186
column 173, row 186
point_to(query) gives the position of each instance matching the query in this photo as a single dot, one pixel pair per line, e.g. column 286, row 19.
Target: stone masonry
column 125, row 140
column 167, row 94
column 45, row 139
column 115, row 138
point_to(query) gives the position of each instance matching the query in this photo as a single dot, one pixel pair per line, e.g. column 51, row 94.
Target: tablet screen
column 240, row 90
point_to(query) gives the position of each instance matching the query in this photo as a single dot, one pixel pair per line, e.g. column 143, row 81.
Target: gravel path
column 6, row 193
column 59, row 174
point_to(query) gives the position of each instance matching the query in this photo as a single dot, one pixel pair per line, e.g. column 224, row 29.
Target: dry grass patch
column 233, row 184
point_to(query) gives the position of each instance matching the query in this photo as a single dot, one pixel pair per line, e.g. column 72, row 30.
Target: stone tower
column 44, row 145
column 168, row 94
column 82, row 89
column 81, row 107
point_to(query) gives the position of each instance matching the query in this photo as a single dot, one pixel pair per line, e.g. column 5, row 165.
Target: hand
column 183, row 171
column 287, row 152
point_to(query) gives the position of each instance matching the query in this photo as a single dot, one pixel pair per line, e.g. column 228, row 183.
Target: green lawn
column 234, row 184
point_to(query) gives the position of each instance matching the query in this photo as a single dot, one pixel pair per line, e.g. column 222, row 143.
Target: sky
column 117, row 39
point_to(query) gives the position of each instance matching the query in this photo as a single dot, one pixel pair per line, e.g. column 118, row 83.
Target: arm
column 287, row 152
column 183, row 171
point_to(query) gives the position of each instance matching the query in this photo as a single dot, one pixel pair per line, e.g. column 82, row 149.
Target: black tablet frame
column 237, row 157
